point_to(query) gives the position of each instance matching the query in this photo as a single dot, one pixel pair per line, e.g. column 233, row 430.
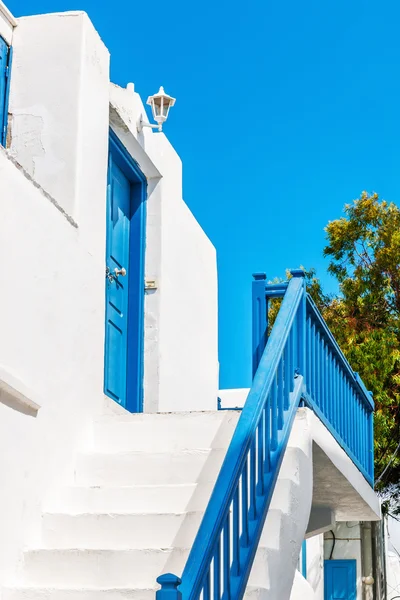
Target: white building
column 100, row 495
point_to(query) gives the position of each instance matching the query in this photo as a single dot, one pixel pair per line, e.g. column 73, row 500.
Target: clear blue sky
column 285, row 111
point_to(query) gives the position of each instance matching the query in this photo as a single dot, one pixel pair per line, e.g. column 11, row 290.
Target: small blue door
column 123, row 369
column 4, row 81
column 340, row 580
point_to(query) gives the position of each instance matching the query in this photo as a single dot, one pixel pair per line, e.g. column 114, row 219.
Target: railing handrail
column 358, row 383
column 222, row 495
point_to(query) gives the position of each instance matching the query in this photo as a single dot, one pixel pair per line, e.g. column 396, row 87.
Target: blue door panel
column 4, row 57
column 123, row 354
column 340, row 580
column 120, row 216
column 118, row 227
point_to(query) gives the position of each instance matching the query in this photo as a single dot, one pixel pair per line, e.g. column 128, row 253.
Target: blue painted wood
column 169, row 587
column 324, row 380
column 304, row 559
column 340, row 581
column 260, row 325
column 5, row 72
column 242, row 455
column 126, row 212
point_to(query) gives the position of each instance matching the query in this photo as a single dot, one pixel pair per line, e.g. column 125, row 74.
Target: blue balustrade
column 300, row 361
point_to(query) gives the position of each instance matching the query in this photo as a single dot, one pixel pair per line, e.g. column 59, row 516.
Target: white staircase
column 136, row 505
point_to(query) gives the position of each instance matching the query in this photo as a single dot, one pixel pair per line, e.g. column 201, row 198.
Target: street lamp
column 160, row 104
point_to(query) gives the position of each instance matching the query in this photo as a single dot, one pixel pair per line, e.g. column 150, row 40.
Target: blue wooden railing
column 300, row 362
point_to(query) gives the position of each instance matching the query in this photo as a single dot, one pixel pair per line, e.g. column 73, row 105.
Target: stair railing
column 300, row 360
column 221, row 557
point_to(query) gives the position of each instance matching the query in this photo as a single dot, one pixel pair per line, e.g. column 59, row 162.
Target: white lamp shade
column 160, row 104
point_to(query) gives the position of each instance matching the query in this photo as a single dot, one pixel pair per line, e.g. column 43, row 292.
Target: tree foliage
column 364, row 251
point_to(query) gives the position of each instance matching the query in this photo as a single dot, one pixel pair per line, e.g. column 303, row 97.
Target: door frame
column 136, row 272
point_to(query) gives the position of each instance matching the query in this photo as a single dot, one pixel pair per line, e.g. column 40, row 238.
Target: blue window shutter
column 5, row 60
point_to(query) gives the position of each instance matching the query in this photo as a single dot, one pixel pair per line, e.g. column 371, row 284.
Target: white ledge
column 7, row 15
column 15, row 395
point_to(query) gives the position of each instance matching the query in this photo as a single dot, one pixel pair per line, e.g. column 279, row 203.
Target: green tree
column 364, row 251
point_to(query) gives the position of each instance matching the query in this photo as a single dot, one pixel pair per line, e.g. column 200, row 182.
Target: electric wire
column 388, row 465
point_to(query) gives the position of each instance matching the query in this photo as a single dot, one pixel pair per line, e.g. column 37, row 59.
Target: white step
column 119, row 531
column 119, row 568
column 96, row 568
column 294, row 461
column 285, row 492
column 139, row 468
column 134, row 499
column 253, row 593
column 164, row 432
column 30, row 593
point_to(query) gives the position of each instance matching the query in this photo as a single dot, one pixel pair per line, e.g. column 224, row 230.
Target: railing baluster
column 317, row 369
column 253, row 480
column 260, row 457
column 322, row 363
column 359, row 431
column 284, row 398
column 315, row 364
column 274, row 417
column 267, row 434
column 345, row 411
column 293, row 356
column 371, row 449
column 217, row 571
column 364, row 424
column 353, row 400
column 309, row 355
column 341, row 415
column 207, row 587
column 245, row 506
column 363, row 421
column 330, row 386
column 280, row 404
column 335, row 394
column 236, row 534
column 226, row 564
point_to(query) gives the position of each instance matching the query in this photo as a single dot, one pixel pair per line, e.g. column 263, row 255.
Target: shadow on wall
column 15, row 395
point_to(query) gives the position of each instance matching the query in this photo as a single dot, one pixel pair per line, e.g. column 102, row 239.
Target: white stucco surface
column 59, row 109
column 392, row 543
column 301, row 589
column 52, row 247
column 315, row 565
column 52, row 341
column 233, row 398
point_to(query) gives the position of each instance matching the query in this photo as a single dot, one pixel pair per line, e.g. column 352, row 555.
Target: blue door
column 126, row 191
column 5, row 57
column 340, row 580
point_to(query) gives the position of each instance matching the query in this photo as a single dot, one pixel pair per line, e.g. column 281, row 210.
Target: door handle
column 114, row 276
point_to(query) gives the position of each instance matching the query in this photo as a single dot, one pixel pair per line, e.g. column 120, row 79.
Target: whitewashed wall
column 392, row 543
column 52, row 341
column 315, row 565
column 52, row 249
